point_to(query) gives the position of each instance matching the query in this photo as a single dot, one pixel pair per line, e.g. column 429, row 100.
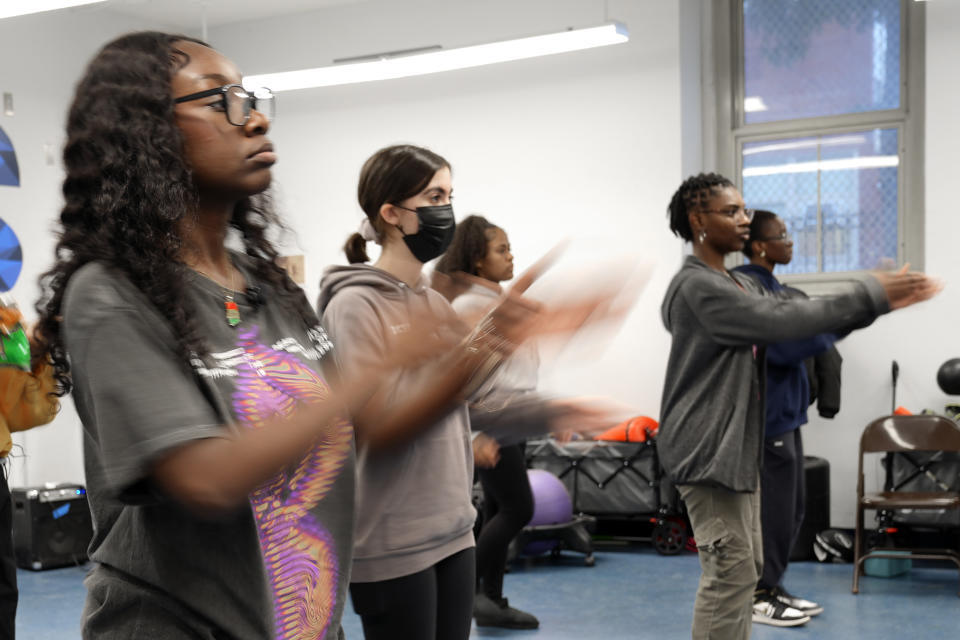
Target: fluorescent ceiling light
column 869, row 162
column 805, row 144
column 10, row 8
column 754, row 103
column 445, row 60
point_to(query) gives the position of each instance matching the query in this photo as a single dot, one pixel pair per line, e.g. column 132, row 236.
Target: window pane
column 819, row 57
column 837, row 195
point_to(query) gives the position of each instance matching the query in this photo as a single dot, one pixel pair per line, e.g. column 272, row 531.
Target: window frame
column 733, row 132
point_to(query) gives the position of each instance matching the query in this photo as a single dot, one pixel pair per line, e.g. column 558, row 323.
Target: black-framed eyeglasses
column 238, row 102
column 733, row 213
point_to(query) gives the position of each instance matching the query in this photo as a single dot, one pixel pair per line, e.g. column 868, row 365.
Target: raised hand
column 905, row 287
column 541, row 266
column 586, row 416
column 518, row 318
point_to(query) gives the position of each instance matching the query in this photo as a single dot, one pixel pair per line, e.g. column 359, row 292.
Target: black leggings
column 507, row 508
column 434, row 604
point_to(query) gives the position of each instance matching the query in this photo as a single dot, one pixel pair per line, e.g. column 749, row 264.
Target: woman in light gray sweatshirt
column 482, row 250
column 414, row 569
column 712, row 411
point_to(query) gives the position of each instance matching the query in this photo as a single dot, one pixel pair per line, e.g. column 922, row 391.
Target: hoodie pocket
column 412, row 534
column 434, row 505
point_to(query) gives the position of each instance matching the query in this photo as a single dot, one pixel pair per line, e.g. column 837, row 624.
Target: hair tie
column 367, row 232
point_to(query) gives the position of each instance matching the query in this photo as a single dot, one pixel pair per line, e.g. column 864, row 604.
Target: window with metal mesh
column 811, row 58
column 811, row 69
column 837, row 194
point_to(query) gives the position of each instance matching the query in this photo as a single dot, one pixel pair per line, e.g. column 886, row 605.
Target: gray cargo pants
column 726, row 526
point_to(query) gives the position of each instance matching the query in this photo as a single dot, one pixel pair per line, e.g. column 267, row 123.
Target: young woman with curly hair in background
column 482, row 250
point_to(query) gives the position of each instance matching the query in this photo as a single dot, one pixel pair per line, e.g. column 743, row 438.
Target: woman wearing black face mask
column 414, row 540
column 414, row 567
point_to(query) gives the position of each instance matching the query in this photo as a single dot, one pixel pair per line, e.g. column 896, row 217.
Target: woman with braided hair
column 712, row 411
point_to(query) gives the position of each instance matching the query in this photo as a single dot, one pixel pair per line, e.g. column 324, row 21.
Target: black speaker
column 51, row 526
column 816, row 516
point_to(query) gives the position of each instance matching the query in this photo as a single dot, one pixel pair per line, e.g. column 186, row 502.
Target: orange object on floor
column 632, row 430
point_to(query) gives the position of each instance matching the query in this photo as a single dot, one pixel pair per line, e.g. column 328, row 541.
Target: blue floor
column 630, row 593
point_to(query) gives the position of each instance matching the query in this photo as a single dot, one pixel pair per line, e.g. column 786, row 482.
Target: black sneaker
column 491, row 613
column 806, row 606
column 767, row 609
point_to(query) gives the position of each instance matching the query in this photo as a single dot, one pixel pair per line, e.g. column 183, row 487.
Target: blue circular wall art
column 9, row 171
column 11, row 257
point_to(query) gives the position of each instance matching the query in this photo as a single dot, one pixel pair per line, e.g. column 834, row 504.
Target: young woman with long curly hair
column 219, row 472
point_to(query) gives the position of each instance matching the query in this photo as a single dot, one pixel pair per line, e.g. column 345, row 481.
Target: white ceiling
column 188, row 14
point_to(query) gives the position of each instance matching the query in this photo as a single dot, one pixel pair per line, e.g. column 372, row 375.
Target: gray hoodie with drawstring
column 712, row 411
column 413, row 500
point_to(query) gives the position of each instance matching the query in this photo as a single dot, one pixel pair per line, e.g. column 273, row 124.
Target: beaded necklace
column 231, row 310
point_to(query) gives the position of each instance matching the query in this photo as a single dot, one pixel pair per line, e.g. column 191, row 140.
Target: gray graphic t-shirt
column 277, row 568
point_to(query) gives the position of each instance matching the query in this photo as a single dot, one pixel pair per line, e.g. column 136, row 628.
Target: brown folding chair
column 904, row 433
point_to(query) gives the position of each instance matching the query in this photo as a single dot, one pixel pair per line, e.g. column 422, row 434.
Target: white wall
column 41, row 58
column 585, row 144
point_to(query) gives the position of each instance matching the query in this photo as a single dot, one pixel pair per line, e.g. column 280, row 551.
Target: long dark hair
column 469, row 246
column 694, row 192
column 391, row 175
column 126, row 189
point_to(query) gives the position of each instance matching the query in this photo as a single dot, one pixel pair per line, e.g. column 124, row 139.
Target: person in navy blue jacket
column 788, row 396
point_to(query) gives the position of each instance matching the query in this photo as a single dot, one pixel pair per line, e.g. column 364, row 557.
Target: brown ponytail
column 356, row 249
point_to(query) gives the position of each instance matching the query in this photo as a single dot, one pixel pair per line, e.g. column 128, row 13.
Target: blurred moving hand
column 905, row 287
column 586, row 417
column 486, row 451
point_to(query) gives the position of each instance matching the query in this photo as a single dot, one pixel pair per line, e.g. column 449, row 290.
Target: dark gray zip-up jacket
column 712, row 410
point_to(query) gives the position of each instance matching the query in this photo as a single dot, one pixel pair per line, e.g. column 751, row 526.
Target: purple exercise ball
column 551, row 505
column 551, row 502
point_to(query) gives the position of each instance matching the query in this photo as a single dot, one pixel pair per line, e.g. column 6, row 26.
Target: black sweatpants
column 782, row 503
column 507, row 508
column 434, row 604
column 8, row 565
